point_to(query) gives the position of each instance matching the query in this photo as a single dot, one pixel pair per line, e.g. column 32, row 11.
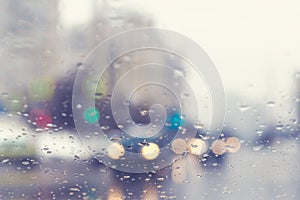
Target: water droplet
column 98, row 95
column 244, row 108
column 144, row 112
column 271, row 103
column 4, row 161
column 25, row 163
column 178, row 73
column 126, row 177
column 161, row 179
column 74, row 189
column 258, row 147
column 198, row 126
column 293, row 121
column 184, row 95
column 279, row 127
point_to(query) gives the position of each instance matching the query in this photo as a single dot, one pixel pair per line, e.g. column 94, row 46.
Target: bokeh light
column 179, row 146
column 115, row 151
column 233, row 144
column 174, row 121
column 150, row 151
column 218, row 147
column 91, row 115
column 197, row 146
column 40, row 89
column 40, row 117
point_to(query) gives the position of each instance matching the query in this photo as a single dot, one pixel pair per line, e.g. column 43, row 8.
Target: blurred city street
column 148, row 100
column 257, row 172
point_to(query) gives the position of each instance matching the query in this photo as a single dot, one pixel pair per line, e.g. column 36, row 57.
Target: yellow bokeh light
column 218, row 147
column 150, row 151
column 179, row 146
column 115, row 151
column 233, row 144
column 197, row 146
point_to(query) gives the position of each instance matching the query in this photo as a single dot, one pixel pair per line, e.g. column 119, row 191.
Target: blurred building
column 297, row 103
column 31, row 43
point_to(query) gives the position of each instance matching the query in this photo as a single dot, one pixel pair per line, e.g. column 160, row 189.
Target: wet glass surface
column 148, row 126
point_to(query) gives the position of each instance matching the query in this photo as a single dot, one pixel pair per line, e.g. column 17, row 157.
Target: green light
column 41, row 89
column 91, row 115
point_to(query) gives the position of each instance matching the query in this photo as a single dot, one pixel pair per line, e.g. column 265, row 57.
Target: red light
column 40, row 117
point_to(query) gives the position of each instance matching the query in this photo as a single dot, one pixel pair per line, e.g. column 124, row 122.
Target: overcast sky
column 251, row 42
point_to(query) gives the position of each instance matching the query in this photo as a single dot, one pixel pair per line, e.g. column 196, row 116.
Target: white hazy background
column 254, row 44
column 251, row 42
